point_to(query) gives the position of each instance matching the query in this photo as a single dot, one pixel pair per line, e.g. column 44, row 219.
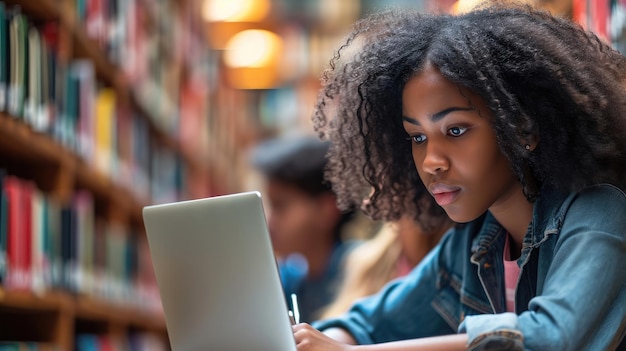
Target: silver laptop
column 217, row 275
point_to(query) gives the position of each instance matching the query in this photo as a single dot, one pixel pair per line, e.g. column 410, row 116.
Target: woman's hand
column 311, row 339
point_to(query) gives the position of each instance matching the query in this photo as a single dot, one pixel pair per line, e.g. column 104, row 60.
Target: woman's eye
column 418, row 139
column 457, row 131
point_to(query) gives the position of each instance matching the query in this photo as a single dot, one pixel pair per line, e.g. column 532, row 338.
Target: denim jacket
column 570, row 295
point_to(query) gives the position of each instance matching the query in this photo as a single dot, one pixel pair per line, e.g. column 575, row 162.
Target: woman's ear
column 530, row 143
column 530, row 183
column 527, row 134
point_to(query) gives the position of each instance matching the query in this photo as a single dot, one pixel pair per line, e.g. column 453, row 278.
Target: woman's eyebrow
column 437, row 116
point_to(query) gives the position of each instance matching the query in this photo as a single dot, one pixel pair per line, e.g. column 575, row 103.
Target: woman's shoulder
column 553, row 206
column 601, row 206
column 598, row 198
column 603, row 189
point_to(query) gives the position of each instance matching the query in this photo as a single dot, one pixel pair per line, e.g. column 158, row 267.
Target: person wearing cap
column 304, row 221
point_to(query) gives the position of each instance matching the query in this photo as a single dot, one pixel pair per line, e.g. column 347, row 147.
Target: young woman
column 514, row 122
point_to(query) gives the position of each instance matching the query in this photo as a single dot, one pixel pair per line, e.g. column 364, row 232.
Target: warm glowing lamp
column 225, row 18
column 252, row 58
column 462, row 6
column 252, row 48
column 235, row 10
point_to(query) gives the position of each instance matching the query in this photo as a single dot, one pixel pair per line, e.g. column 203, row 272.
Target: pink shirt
column 511, row 273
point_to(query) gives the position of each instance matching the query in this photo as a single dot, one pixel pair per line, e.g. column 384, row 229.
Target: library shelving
column 92, row 128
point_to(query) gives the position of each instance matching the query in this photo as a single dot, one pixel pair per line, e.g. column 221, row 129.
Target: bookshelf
column 82, row 150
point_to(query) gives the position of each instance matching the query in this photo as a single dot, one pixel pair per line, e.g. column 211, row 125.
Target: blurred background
column 265, row 58
column 110, row 105
column 250, row 69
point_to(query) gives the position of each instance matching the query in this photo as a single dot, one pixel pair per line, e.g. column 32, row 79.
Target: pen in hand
column 293, row 321
column 295, row 315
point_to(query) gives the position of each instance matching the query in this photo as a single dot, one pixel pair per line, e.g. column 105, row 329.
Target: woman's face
column 454, row 147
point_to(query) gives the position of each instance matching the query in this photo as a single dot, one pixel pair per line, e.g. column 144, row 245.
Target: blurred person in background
column 392, row 253
column 306, row 227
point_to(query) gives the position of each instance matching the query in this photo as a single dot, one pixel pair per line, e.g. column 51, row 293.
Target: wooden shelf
column 106, row 71
column 111, row 206
column 105, row 191
column 20, row 144
column 19, row 141
column 27, row 301
column 32, row 155
column 80, row 308
column 37, row 9
column 94, row 310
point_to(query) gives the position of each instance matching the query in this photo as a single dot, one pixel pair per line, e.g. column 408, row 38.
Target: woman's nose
column 434, row 160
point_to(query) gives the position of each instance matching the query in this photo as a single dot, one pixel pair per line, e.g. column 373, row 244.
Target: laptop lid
column 217, row 275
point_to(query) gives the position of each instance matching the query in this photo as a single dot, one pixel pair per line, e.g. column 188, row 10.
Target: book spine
column 15, row 270
column 28, row 189
column 105, row 129
column 54, row 243
column 4, row 56
column 3, row 227
column 84, row 207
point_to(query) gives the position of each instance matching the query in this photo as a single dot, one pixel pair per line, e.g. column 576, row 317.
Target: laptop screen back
column 217, row 275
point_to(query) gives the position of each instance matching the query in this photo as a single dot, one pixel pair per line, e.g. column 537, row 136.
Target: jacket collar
column 548, row 213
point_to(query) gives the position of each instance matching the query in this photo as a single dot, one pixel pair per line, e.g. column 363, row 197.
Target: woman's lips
column 446, row 198
column 444, row 194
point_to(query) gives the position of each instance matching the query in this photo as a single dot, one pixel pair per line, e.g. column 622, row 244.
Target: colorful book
column 618, row 25
column 58, row 129
column 4, row 56
column 50, row 43
column 100, row 258
column 53, row 243
column 141, row 157
column 3, row 227
column 87, row 342
column 70, row 114
column 105, row 130
column 33, row 98
column 39, row 283
column 11, row 346
column 14, row 63
column 44, row 111
column 68, row 248
column 46, row 259
column 83, row 204
column 19, row 67
column 124, row 147
column 95, row 22
column 26, row 236
column 16, row 269
column 84, row 76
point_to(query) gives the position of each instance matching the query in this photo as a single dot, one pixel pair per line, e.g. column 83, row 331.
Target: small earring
column 527, row 146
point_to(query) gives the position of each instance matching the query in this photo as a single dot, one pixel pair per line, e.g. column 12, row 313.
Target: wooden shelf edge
column 81, row 307
column 18, row 139
column 103, row 187
column 39, row 9
column 24, row 142
column 29, row 301
column 88, row 308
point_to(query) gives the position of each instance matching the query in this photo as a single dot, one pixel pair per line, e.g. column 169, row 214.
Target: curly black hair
column 544, row 78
